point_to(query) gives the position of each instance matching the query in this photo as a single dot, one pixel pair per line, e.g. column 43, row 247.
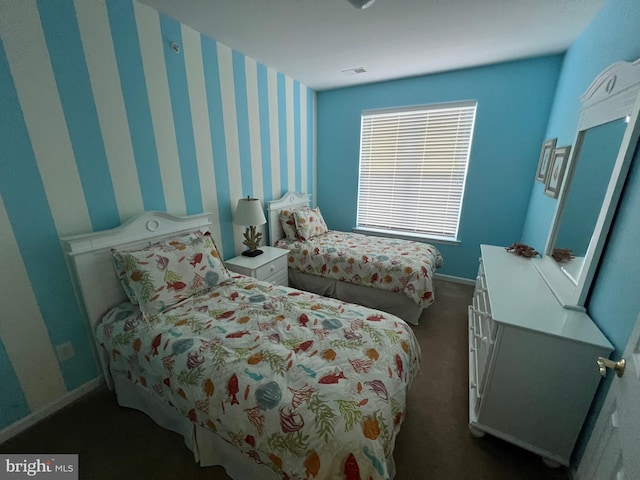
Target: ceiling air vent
column 354, row 71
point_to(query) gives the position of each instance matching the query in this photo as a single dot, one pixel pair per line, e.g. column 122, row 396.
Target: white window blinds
column 413, row 166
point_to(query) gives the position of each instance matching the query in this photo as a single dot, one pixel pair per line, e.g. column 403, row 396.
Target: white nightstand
column 271, row 266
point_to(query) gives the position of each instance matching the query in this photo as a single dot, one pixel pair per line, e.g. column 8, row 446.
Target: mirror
column 603, row 149
column 597, row 150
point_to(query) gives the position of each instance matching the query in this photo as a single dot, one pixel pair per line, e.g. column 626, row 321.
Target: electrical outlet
column 65, row 351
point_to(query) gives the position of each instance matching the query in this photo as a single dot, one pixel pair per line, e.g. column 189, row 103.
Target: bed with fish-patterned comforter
column 389, row 264
column 309, row 386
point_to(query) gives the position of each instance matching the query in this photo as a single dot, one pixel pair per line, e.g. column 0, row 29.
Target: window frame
column 471, row 107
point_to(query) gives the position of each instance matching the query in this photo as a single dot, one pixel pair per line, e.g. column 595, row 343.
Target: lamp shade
column 249, row 212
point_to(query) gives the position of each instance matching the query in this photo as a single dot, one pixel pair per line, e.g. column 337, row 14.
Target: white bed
column 396, row 303
column 100, row 290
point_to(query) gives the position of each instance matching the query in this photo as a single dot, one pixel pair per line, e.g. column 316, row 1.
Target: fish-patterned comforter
column 310, row 386
column 385, row 263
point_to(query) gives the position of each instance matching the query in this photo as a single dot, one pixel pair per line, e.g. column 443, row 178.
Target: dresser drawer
column 482, row 306
column 475, row 321
column 481, row 342
column 481, row 302
column 488, row 326
column 484, row 347
column 272, row 268
column 473, row 362
column 480, row 296
column 480, row 349
column 484, row 322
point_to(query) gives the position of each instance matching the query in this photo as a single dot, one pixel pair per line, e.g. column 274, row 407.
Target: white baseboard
column 30, row 420
column 451, row 278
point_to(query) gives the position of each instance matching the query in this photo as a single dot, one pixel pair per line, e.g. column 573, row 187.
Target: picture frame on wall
column 545, row 157
column 555, row 173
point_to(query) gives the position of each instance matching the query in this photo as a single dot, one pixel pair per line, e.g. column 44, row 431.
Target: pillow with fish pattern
column 163, row 274
column 120, row 265
column 309, row 223
column 288, row 223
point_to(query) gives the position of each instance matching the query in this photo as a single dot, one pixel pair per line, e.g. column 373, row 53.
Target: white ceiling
column 312, row 41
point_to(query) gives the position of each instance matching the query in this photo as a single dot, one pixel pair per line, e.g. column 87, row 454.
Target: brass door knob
column 618, row 367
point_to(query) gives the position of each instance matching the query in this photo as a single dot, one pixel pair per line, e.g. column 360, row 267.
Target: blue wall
column 614, row 303
column 514, row 101
column 100, row 120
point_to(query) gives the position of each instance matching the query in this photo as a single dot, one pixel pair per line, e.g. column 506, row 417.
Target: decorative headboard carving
column 290, row 200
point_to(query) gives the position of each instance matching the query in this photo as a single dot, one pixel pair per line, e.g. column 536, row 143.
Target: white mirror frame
column 613, row 95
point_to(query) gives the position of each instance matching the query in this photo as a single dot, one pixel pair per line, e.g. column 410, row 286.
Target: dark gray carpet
column 435, row 443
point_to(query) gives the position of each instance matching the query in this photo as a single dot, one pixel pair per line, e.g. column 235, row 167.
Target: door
column 613, row 451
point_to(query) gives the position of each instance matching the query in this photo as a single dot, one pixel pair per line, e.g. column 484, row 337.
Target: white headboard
column 89, row 258
column 291, row 201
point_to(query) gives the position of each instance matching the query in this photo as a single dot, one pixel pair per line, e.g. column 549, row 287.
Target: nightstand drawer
column 281, row 277
column 272, row 268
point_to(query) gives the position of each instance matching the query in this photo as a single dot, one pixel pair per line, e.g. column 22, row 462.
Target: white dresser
column 532, row 363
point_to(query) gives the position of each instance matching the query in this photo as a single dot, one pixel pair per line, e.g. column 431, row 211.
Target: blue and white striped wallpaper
column 100, row 120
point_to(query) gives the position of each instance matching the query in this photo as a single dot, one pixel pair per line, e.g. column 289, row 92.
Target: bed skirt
column 207, row 447
column 395, row 303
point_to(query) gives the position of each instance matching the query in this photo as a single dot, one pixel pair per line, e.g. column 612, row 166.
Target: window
column 413, row 167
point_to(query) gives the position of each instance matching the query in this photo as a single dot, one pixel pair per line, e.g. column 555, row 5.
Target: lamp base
column 252, row 253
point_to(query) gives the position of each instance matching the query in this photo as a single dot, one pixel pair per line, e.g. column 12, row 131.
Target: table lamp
column 249, row 213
